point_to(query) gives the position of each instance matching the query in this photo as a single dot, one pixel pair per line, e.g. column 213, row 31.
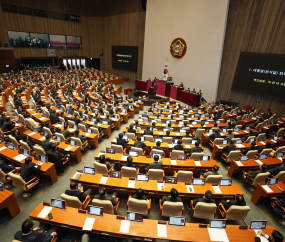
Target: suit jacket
column 54, row 118
column 274, row 171
column 131, row 131
column 27, row 171
column 196, row 150
column 148, row 132
column 7, row 126
column 248, row 149
column 228, row 204
column 228, row 149
column 178, row 147
column 144, row 197
column 5, row 167
column 196, row 200
column 35, row 236
column 17, row 137
column 139, row 144
column 262, row 239
column 76, row 121
column 214, row 136
column 2, row 121
column 131, row 165
column 154, row 165
column 206, row 174
column 65, row 133
column 107, row 197
column 107, row 164
column 121, row 142
column 80, row 195
column 46, row 145
column 170, row 199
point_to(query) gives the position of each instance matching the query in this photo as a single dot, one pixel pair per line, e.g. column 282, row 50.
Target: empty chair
column 129, row 172
column 279, row 149
column 47, row 130
column 139, row 205
column 175, row 153
column 199, row 133
column 39, row 151
column 155, row 151
column 184, row 176
column 260, row 178
column 107, row 205
column 14, row 142
column 234, row 212
column 156, row 174
column 217, row 141
column 260, row 136
column 82, row 127
column 148, row 138
column 79, row 143
column 131, row 136
column 196, row 156
column 186, row 140
column 251, row 154
column 266, row 151
column 167, row 139
column 70, row 123
column 171, row 208
column 204, row 210
column 257, row 128
column 60, row 135
column 74, row 202
column 25, row 145
column 233, row 155
column 140, row 150
column 281, row 176
column 101, row 168
column 118, row 148
column 18, row 182
column 214, row 179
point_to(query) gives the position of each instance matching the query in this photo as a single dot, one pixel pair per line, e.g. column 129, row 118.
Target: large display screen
column 125, row 57
column 262, row 74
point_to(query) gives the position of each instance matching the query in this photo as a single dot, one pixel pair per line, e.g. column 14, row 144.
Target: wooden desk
column 106, row 128
column 38, row 117
column 46, row 169
column 8, row 200
column 145, row 231
column 261, row 192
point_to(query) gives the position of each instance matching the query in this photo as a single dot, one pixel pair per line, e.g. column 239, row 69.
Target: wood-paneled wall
column 252, row 26
column 103, row 24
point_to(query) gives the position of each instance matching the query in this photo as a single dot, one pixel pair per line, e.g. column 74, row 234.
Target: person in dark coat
column 28, row 169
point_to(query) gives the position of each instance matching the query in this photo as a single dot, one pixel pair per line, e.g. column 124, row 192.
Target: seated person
column 46, row 144
column 65, row 131
column 81, row 137
column 215, row 135
column 196, row 149
column 229, row 148
column 275, row 170
column 276, row 236
column 129, row 163
column 277, row 209
column 31, row 234
column 172, row 198
column 167, row 133
column 280, row 141
column 273, row 128
column 148, row 131
column 208, row 198
column 16, row 135
column 156, row 164
column 158, row 143
column 251, row 133
column 214, row 172
column 8, row 125
column 102, row 160
column 103, row 195
column 252, row 174
column 26, row 139
column 267, row 146
column 187, row 133
column 121, row 141
column 6, row 167
column 179, row 145
column 61, row 155
column 131, row 129
column 230, row 135
column 140, row 195
column 238, row 201
column 28, row 169
column 139, row 143
column 252, row 147
column 79, row 193
column 76, row 120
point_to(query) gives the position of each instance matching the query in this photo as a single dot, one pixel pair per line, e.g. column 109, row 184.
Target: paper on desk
column 267, row 188
column 3, row 148
column 173, row 162
column 170, row 145
column 240, row 145
column 71, row 130
column 163, row 124
column 76, row 174
column 177, row 133
column 34, row 114
column 190, row 188
column 131, row 183
column 88, row 225
column 262, row 143
column 273, row 141
column 125, row 226
column 101, row 153
column 218, row 235
column 246, row 131
column 114, row 140
column 124, row 157
column 160, row 186
column 161, row 133
column 58, row 125
column 187, row 146
column 43, row 138
column 91, row 123
column 20, row 157
column 280, row 158
column 191, row 125
column 42, row 118
column 17, row 125
column 259, row 162
column 68, row 148
column 45, row 211
column 161, row 230
column 217, row 189
column 239, row 163
column 113, row 119
column 103, row 180
column 197, row 163
column 235, row 132
column 30, row 134
column 69, row 116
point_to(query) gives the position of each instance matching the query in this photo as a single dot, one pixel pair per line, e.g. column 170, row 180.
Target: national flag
column 165, row 73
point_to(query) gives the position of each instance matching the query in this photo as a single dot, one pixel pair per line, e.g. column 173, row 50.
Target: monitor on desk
column 272, row 181
column 133, row 153
column 226, row 182
column 140, row 120
column 58, row 138
column 224, row 130
column 142, row 177
column 218, row 122
column 280, row 154
column 225, row 142
column 89, row 170
column 182, row 131
column 159, row 155
column 110, row 151
column 177, row 221
column 74, row 126
column 238, row 141
column 10, row 146
column 43, row 159
column 1, row 187
column 105, row 122
column 175, row 141
column 93, row 120
column 199, row 181
column 171, row 179
column 264, row 138
column 251, row 140
column 167, row 121
column 46, row 133
column 158, row 139
column 205, row 158
column 194, row 123
column 56, row 203
column 275, row 137
column 263, row 157
column 35, row 130
column 181, row 157
column 89, row 131
column 210, row 131
column 125, row 137
column 218, row 223
column 202, row 116
column 72, row 142
column 181, row 116
column 228, row 120
column 258, row 224
column 244, row 158
column 181, row 123
column 193, row 141
column 192, row 116
column 92, row 103
column 237, row 129
column 94, row 210
column 25, row 152
column 116, row 174
column 136, row 217
column 265, row 124
column 247, row 128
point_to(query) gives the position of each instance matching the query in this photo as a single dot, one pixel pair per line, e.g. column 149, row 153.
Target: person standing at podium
column 154, row 87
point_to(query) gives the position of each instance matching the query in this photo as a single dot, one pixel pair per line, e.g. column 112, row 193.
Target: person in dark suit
column 156, row 164
column 215, row 171
column 28, row 141
column 238, row 201
column 131, row 129
column 102, row 160
column 129, row 163
column 274, row 171
column 193, row 90
column 276, row 236
column 6, row 167
column 16, row 135
column 8, row 125
column 266, row 146
column 179, row 145
column 40, row 233
column 79, row 193
column 158, row 143
column 139, row 144
column 154, row 87
column 252, row 147
column 251, row 133
column 181, row 85
column 277, row 209
column 28, row 169
column 172, row 198
column 215, row 135
column 208, row 198
column 103, row 195
column 252, row 174
column 140, row 195
column 273, row 128
column 65, row 131
column 148, row 131
column 2, row 119
column 121, row 141
column 108, row 120
column 229, row 147
column 100, row 109
column 54, row 118
column 46, row 144
column 76, row 120
column 196, row 149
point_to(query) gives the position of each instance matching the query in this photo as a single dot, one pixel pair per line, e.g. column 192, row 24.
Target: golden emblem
column 178, row 48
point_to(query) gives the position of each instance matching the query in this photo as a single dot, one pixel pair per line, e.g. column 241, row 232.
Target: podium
column 151, row 91
column 168, row 88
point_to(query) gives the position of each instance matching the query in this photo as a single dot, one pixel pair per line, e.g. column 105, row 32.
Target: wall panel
column 252, row 26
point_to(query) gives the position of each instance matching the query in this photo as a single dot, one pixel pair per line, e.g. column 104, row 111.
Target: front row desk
column 147, row 230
